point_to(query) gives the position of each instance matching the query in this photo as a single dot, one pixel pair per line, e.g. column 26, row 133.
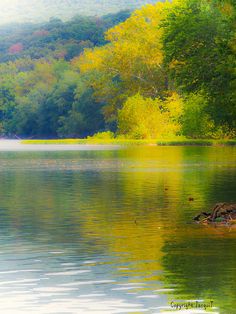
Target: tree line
column 167, row 69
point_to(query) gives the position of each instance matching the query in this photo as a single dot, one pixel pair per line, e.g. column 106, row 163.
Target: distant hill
column 55, row 39
column 42, row 10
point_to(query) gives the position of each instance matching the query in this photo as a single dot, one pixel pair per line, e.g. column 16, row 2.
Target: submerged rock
column 221, row 213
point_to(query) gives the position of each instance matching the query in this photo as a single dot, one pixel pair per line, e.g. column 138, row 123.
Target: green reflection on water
column 132, row 205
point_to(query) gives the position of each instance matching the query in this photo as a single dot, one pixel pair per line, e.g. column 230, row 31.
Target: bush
column 147, row 118
column 108, row 135
column 196, row 123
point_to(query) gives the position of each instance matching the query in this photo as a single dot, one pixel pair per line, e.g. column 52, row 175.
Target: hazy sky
column 38, row 10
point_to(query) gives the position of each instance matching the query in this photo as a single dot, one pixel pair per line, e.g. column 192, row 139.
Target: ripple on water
column 108, row 232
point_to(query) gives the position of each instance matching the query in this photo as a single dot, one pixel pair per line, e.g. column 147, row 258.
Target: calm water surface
column 110, row 230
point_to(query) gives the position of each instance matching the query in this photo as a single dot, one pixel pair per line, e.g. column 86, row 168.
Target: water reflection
column 110, row 231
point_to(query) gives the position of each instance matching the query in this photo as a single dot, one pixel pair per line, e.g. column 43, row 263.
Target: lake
column 103, row 229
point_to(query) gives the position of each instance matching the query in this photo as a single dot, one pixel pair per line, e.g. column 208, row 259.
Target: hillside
column 43, row 10
column 55, row 39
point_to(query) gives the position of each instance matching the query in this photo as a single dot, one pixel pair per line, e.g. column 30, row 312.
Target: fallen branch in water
column 221, row 213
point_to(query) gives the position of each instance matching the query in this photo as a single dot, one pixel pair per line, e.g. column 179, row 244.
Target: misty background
column 18, row 11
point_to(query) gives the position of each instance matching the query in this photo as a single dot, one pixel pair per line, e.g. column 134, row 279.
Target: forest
column 167, row 69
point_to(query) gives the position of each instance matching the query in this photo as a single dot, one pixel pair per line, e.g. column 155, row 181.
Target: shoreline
column 129, row 142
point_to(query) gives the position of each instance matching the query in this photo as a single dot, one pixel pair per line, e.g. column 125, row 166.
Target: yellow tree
column 132, row 62
column 143, row 118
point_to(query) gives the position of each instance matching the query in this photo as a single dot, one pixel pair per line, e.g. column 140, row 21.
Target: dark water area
column 110, row 230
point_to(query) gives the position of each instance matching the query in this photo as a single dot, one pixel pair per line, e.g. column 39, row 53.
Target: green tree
column 7, row 109
column 199, row 48
column 196, row 122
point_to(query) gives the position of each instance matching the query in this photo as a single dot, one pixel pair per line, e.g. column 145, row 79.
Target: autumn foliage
column 16, row 48
column 167, row 69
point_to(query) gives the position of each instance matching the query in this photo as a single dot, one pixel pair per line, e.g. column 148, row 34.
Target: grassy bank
column 163, row 142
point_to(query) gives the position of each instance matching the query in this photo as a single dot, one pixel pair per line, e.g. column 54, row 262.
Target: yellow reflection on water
column 132, row 207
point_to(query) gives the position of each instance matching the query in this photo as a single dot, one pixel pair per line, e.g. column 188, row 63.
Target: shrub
column 196, row 123
column 108, row 135
column 146, row 118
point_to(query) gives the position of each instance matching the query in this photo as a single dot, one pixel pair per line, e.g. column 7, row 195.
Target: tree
column 199, row 48
column 131, row 63
column 7, row 109
column 196, row 122
column 143, row 118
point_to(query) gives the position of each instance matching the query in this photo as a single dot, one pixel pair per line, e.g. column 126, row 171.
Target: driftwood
column 221, row 213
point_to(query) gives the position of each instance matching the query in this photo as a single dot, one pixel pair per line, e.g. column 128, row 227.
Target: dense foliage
column 41, row 92
column 168, row 69
column 201, row 56
column 55, row 39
